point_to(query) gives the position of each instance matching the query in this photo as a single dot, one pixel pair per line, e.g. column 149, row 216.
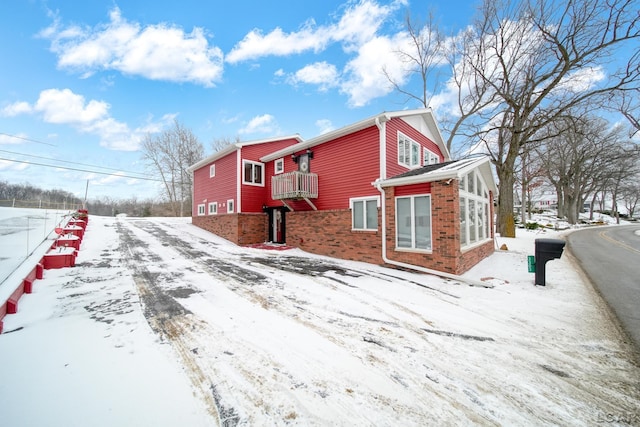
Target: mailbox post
column 546, row 250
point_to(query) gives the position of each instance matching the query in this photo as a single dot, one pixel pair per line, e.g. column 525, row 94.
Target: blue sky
column 83, row 82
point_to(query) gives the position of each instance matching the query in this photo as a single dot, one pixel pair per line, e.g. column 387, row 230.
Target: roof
column 236, row 146
column 425, row 113
column 455, row 169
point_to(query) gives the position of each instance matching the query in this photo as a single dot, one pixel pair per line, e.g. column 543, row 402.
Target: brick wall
column 241, row 229
column 445, row 233
column 329, row 233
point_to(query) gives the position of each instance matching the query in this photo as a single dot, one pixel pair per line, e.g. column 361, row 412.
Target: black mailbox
column 546, row 250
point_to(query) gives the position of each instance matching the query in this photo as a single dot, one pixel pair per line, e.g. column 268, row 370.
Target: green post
column 532, row 263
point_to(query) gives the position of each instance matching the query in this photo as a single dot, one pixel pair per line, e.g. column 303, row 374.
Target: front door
column 277, row 225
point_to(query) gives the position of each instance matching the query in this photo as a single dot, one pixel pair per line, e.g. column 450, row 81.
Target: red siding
column 346, row 167
column 253, row 196
column 394, row 126
column 220, row 188
column 410, row 190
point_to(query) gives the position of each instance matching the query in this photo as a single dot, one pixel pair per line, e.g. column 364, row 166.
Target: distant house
column 383, row 190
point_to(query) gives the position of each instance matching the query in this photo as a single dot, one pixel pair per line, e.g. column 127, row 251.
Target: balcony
column 294, row 185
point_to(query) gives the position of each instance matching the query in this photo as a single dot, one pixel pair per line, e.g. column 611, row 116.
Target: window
column 408, row 152
column 212, row 171
column 253, row 173
column 413, row 222
column 430, row 158
column 230, row 206
column 200, row 210
column 279, row 166
column 364, row 213
column 213, row 208
column 474, row 210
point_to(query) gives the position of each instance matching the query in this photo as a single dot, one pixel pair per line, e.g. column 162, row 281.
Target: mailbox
column 546, row 250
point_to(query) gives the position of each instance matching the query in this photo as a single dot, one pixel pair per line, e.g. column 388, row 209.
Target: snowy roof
column 454, row 169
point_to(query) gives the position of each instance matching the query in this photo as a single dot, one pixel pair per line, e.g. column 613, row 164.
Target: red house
column 383, row 190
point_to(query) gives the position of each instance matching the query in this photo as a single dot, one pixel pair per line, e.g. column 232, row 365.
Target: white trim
column 277, row 162
column 212, row 170
column 239, row 179
column 253, row 165
column 201, row 209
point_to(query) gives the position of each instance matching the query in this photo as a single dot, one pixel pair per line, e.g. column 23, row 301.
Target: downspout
column 411, row 266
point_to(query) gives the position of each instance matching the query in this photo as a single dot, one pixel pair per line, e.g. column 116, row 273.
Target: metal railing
column 294, row 185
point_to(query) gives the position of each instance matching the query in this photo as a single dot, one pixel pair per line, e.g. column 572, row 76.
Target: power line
column 79, row 170
column 27, row 139
column 69, row 162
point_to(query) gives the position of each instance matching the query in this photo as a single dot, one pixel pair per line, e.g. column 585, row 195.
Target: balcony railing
column 294, row 185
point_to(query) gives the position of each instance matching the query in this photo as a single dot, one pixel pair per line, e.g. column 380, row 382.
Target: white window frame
column 406, row 147
column 413, row 217
column 253, row 173
column 474, row 231
column 212, row 170
column 363, row 200
column 230, row 206
column 278, row 166
column 429, row 157
column 201, row 209
column 213, row 208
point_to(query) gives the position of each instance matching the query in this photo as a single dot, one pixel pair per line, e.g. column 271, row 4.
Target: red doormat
column 270, row 246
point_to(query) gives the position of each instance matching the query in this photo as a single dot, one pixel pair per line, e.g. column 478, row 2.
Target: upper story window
column 212, row 171
column 474, row 210
column 253, row 173
column 279, row 166
column 408, row 151
column 430, row 158
column 364, row 213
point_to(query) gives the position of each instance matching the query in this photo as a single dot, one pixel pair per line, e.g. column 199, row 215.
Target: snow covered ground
column 162, row 324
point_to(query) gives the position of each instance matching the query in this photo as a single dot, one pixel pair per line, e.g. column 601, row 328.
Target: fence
column 39, row 204
column 22, row 230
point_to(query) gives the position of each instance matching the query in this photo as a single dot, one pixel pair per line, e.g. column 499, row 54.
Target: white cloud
column 15, row 109
column 65, row 107
column 62, row 106
column 324, row 125
column 323, row 74
column 364, row 76
column 8, row 165
column 157, row 52
column 359, row 22
column 265, row 123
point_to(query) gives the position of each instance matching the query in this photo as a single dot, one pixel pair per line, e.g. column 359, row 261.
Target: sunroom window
column 474, row 210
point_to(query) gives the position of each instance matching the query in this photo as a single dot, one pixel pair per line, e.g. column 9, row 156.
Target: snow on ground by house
column 162, row 323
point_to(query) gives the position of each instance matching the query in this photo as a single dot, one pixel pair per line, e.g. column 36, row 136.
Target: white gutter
column 446, row 275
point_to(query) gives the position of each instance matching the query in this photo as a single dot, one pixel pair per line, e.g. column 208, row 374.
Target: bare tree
column 220, row 144
column 419, row 58
column 630, row 108
column 169, row 155
column 525, row 63
column 583, row 156
column 630, row 193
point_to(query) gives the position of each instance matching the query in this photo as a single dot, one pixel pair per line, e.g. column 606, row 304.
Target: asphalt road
column 610, row 256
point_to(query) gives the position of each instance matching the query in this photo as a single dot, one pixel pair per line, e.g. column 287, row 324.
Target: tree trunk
column 506, row 223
